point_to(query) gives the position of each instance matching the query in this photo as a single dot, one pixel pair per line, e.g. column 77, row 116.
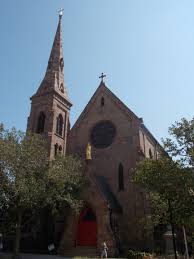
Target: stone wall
column 105, row 162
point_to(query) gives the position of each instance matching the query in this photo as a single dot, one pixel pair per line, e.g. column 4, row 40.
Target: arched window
column 60, row 149
column 56, row 149
column 41, row 122
column 150, row 153
column 120, row 177
column 59, row 126
column 102, row 101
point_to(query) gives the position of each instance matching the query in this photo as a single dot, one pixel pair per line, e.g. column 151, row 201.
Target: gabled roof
column 105, row 90
column 146, row 131
column 131, row 115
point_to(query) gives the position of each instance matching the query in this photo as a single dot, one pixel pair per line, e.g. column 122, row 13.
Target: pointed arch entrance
column 87, row 228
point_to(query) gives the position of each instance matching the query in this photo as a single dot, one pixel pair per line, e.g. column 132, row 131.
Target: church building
column 115, row 140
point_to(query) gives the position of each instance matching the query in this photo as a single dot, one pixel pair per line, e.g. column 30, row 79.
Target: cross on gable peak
column 102, row 76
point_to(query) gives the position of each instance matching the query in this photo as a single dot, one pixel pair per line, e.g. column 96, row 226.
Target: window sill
column 59, row 136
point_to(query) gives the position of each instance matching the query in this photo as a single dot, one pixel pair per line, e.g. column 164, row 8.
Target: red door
column 87, row 228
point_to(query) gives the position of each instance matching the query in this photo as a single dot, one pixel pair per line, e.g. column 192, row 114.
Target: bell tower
column 50, row 105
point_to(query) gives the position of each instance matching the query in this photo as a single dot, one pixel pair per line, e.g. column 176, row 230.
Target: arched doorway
column 87, row 228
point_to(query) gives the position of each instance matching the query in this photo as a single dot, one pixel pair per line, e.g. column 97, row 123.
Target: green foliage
column 23, row 164
column 29, row 182
column 138, row 255
column 65, row 181
column 171, row 178
column 165, row 180
column 181, row 145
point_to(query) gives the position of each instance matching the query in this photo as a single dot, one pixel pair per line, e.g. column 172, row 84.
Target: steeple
column 50, row 106
column 54, row 76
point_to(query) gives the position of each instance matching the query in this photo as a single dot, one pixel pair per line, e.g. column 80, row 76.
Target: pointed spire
column 55, row 62
column 54, row 76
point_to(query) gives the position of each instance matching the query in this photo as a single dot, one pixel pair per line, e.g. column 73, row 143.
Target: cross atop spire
column 60, row 12
column 102, row 76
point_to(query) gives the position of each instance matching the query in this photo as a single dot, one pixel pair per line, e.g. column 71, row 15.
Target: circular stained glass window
column 103, row 134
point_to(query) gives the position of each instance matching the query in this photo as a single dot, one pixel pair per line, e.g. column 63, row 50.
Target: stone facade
column 131, row 143
column 118, row 204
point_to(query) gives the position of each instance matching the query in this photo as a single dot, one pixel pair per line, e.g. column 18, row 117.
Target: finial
column 60, row 12
column 102, row 76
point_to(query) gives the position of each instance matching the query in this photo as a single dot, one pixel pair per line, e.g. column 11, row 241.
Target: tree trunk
column 18, row 235
column 172, row 226
column 185, row 240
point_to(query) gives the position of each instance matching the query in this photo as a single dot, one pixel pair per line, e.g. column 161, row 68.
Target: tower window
column 65, row 120
column 41, row 123
column 62, row 88
column 59, row 126
column 120, row 177
column 102, row 101
column 61, row 64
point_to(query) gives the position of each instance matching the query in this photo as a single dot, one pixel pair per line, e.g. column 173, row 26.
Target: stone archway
column 87, row 228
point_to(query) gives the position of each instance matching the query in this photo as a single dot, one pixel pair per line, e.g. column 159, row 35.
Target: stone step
column 78, row 255
column 80, row 251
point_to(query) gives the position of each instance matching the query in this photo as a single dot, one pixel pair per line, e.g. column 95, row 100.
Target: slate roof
column 108, row 194
column 146, row 130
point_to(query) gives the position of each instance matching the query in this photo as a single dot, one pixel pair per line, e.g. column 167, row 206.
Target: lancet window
column 41, row 123
column 102, row 101
column 59, row 126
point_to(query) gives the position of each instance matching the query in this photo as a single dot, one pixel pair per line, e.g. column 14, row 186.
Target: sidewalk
column 31, row 256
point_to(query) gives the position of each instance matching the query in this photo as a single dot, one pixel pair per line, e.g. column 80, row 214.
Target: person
column 51, row 248
column 104, row 250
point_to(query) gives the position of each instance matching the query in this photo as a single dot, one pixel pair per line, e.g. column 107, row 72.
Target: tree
column 170, row 179
column 181, row 145
column 23, row 163
column 64, row 182
column 169, row 187
column 166, row 181
column 181, row 148
column 29, row 182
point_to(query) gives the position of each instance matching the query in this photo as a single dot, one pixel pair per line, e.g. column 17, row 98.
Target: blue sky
column 145, row 47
